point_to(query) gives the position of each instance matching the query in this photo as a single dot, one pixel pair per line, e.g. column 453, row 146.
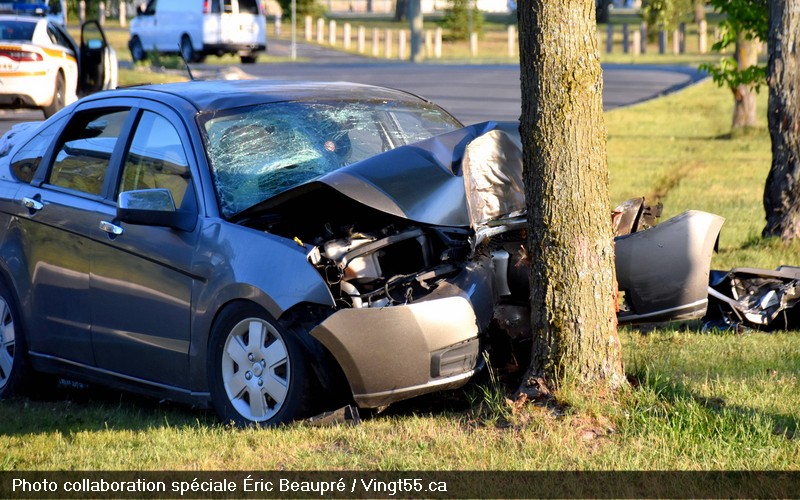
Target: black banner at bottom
column 402, row 484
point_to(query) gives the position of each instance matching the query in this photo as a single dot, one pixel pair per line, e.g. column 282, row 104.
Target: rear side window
column 57, row 37
column 27, row 159
column 85, row 151
column 17, row 30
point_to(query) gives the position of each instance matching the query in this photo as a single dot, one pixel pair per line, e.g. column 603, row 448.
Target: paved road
column 473, row 93
column 479, row 93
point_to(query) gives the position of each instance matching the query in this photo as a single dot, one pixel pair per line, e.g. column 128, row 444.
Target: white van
column 198, row 28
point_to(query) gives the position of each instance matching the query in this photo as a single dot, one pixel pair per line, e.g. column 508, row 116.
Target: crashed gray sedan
column 277, row 249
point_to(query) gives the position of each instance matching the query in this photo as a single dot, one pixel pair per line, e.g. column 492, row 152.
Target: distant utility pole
column 416, row 21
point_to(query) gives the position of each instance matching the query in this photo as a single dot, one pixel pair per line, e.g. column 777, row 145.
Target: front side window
column 257, row 152
column 156, row 159
column 85, row 150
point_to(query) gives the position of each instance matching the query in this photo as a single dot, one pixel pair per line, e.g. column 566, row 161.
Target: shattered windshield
column 257, row 152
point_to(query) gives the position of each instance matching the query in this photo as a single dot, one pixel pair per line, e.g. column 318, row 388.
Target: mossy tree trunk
column 566, row 183
column 782, row 190
column 744, row 95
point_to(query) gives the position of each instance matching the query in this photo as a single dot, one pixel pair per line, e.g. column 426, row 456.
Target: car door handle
column 31, row 204
column 110, row 228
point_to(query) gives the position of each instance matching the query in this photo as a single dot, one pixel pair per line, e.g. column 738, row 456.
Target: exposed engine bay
column 378, row 261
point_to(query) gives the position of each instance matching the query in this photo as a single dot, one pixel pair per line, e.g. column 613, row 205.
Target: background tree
column 667, row 14
column 460, row 17
column 744, row 25
column 416, row 24
column 566, row 185
column 400, row 10
column 603, row 8
column 699, row 10
column 782, row 190
column 304, row 8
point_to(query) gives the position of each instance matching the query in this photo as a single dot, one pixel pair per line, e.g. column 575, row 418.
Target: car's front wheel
column 14, row 369
column 258, row 371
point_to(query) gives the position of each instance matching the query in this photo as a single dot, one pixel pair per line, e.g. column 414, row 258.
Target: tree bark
column 566, row 185
column 782, row 190
column 744, row 109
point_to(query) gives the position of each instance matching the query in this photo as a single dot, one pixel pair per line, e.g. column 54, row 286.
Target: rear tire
column 249, row 59
column 15, row 371
column 59, row 96
column 187, row 50
column 258, row 372
column 137, row 50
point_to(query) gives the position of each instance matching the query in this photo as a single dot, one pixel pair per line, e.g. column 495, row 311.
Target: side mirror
column 153, row 207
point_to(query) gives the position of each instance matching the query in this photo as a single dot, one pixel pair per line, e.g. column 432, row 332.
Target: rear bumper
column 233, row 48
column 28, row 91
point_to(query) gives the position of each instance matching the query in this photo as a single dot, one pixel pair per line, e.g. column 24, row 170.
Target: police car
column 41, row 65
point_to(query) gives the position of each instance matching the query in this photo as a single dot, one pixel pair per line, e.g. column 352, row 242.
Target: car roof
column 210, row 95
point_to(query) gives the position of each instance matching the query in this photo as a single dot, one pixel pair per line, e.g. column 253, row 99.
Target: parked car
column 41, row 66
column 198, row 28
column 272, row 249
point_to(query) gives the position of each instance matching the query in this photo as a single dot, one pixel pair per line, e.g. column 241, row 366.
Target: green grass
column 696, row 401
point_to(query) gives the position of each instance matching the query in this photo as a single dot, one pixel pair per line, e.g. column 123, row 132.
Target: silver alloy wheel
column 255, row 369
column 7, row 342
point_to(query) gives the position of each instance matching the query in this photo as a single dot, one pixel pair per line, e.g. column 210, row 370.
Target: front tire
column 59, row 96
column 15, row 371
column 258, row 373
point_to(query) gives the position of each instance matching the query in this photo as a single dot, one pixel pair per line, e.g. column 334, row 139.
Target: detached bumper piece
column 663, row 271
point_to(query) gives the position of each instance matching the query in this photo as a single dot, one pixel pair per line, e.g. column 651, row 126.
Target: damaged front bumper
column 397, row 352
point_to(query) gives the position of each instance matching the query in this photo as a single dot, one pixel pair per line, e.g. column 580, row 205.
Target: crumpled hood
column 464, row 178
